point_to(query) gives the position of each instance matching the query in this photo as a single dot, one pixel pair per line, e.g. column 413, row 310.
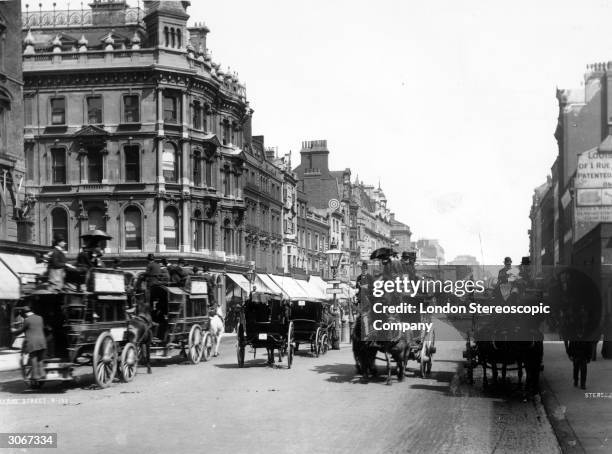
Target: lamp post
column 334, row 257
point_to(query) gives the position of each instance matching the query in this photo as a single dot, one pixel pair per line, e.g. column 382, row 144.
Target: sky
column 449, row 104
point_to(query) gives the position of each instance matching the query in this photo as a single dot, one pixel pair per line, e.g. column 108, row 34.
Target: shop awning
column 320, row 285
column 263, row 283
column 290, row 287
column 24, row 266
column 10, row 283
column 313, row 290
column 240, row 281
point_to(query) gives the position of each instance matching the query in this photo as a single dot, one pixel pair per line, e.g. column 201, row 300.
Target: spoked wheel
column 290, row 340
column 324, row 345
column 196, row 344
column 105, row 358
column 129, row 362
column 424, row 360
column 207, row 346
column 26, row 372
column 240, row 345
column 317, row 344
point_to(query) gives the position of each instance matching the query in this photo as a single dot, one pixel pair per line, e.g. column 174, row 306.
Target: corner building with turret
column 131, row 128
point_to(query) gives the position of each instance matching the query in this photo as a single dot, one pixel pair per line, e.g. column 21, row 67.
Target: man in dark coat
column 57, row 262
column 502, row 275
column 35, row 343
column 365, row 286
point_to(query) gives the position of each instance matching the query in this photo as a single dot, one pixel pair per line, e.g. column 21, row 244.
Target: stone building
column 263, row 194
column 131, row 128
column 13, row 209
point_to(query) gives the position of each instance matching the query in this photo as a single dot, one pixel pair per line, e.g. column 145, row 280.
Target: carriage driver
column 364, row 285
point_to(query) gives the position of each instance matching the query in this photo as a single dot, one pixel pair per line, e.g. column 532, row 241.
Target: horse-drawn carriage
column 417, row 345
column 265, row 322
column 508, row 340
column 84, row 327
column 313, row 324
column 180, row 319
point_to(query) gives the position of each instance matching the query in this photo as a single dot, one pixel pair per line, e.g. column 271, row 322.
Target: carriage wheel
column 290, row 341
column 240, row 345
column 129, row 362
column 105, row 358
column 424, row 360
column 195, row 344
column 324, row 345
column 207, row 344
column 317, row 343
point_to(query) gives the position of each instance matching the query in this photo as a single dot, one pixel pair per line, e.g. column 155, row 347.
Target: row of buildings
column 117, row 118
column 571, row 212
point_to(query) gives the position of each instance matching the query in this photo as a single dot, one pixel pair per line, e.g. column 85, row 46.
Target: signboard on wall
column 593, row 184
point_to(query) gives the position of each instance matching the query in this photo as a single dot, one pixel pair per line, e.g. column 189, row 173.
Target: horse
column 217, row 330
column 140, row 333
column 364, row 352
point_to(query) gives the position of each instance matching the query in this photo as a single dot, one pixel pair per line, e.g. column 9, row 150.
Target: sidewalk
column 582, row 421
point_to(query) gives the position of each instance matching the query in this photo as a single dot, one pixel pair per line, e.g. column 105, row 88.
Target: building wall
column 12, row 164
column 189, row 165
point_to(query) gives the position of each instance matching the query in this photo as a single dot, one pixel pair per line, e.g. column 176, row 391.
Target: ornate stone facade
column 130, row 127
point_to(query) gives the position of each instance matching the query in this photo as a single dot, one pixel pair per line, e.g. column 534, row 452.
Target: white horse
column 217, row 329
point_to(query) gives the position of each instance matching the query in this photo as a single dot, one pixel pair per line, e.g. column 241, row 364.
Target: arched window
column 178, row 38
column 228, row 238
column 133, row 228
column 59, row 223
column 172, row 37
column 166, row 36
column 170, row 163
column 171, row 228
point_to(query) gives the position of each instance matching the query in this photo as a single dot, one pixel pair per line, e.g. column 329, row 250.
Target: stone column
column 185, row 224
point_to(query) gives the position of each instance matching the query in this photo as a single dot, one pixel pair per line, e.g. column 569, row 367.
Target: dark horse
column 365, row 352
column 140, row 333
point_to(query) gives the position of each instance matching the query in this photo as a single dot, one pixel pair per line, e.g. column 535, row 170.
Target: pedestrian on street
column 35, row 343
column 502, row 275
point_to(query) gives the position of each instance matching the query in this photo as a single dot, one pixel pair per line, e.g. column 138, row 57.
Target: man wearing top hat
column 502, row 275
column 408, row 260
column 35, row 343
column 57, row 262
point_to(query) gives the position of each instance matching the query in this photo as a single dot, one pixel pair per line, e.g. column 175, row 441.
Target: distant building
column 464, row 260
column 429, row 252
column 401, row 234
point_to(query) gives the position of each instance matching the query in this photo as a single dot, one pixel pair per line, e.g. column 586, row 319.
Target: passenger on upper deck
column 57, row 263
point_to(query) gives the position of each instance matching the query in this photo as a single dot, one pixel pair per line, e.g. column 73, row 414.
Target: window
column 28, row 105
column 197, row 115
column 59, row 223
column 133, row 228
column 58, row 111
column 58, row 165
column 178, row 38
column 226, row 132
column 171, row 232
column 207, row 172
column 131, row 111
column 94, row 166
column 227, row 183
column 166, row 36
column 96, row 220
column 132, row 162
column 170, row 163
column 29, row 152
column 94, row 110
column 170, row 109
column 198, row 231
column 197, row 169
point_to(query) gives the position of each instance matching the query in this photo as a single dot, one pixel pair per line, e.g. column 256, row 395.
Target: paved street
column 317, row 406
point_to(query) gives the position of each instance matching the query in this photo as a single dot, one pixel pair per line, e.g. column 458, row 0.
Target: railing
column 74, row 18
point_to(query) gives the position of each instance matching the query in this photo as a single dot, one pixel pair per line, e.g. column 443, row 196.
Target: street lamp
column 334, row 256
